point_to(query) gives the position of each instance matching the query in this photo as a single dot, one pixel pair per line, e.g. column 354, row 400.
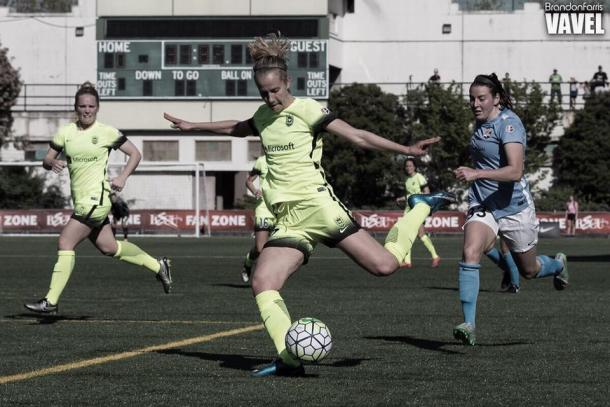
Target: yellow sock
column 130, row 253
column 277, row 322
column 61, row 274
column 402, row 235
column 429, row 245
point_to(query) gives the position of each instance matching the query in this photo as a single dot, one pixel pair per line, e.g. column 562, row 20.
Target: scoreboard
column 148, row 69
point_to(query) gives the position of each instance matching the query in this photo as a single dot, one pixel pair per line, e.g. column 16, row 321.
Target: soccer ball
column 309, row 340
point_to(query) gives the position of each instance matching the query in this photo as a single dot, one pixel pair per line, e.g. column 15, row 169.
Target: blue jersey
column 487, row 153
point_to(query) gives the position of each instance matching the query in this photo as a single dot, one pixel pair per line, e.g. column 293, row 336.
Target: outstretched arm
column 233, row 128
column 371, row 141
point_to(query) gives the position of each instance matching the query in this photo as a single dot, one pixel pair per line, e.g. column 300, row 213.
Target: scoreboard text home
column 186, row 59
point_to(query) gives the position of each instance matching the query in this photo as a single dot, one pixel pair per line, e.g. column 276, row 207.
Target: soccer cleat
column 43, row 307
column 560, row 281
column 279, row 368
column 245, row 274
column 165, row 274
column 434, row 201
column 512, row 289
column 436, row 262
column 464, row 333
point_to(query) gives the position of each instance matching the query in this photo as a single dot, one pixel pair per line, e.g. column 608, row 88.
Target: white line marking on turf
column 125, row 355
column 123, row 321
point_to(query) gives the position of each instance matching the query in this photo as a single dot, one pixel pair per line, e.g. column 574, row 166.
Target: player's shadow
column 590, row 259
column 240, row 286
column 456, row 289
column 427, row 344
column 248, row 363
column 47, row 319
column 438, row 346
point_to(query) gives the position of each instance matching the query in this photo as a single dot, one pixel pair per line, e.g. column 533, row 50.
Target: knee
column 384, row 267
column 472, row 254
column 108, row 250
column 529, row 272
column 65, row 244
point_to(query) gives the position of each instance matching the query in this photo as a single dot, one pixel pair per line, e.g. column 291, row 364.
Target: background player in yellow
column 264, row 221
column 416, row 183
column 86, row 144
column 295, row 189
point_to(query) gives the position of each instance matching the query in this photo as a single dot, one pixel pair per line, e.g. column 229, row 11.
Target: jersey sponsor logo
column 279, row 147
column 79, row 159
column 510, row 128
column 289, row 120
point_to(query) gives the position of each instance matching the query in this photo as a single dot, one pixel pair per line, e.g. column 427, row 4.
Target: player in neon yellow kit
column 416, row 183
column 296, row 190
column 264, row 220
column 86, row 144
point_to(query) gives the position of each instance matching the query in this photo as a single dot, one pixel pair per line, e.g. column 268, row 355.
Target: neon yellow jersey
column 293, row 149
column 415, row 184
column 87, row 154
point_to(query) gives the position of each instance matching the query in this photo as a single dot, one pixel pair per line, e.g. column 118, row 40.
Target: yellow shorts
column 263, row 218
column 303, row 224
column 93, row 216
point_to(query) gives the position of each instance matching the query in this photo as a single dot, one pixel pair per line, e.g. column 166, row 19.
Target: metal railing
column 46, row 97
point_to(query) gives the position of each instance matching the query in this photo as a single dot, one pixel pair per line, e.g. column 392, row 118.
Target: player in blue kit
column 499, row 200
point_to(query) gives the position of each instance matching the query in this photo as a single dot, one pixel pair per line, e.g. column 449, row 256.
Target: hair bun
column 87, row 84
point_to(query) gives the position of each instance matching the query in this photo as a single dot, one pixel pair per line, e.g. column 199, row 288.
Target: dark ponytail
column 494, row 84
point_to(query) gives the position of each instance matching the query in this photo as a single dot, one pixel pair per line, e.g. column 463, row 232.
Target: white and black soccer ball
column 309, row 340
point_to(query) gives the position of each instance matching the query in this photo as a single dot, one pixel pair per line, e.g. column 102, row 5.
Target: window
column 147, row 88
column 300, row 83
column 170, row 55
column 185, row 54
column 108, row 60
column 237, row 54
column 36, row 151
column 160, row 150
column 314, row 60
column 255, row 150
column 230, row 88
column 302, row 60
column 143, row 59
column 218, row 54
column 179, row 88
column 203, row 54
column 121, row 84
column 248, row 57
column 242, row 88
column 191, row 88
column 213, row 150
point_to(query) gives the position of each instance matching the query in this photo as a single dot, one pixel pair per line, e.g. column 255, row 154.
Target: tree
column 362, row 178
column 21, row 188
column 10, row 86
column 582, row 157
column 539, row 119
column 437, row 111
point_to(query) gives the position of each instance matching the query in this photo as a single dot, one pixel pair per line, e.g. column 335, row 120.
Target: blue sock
column 468, row 279
column 495, row 256
column 512, row 268
column 548, row 267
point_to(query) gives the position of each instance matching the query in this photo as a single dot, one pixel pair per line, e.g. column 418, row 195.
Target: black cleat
column 42, row 307
column 165, row 274
column 279, row 368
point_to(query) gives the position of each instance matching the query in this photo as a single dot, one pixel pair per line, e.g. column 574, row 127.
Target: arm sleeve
column 58, row 142
column 119, row 140
column 318, row 116
column 512, row 131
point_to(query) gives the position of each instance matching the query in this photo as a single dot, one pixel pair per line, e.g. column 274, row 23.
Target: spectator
column 599, row 81
column 571, row 216
column 506, row 82
column 555, row 80
column 573, row 92
column 586, row 89
column 436, row 78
